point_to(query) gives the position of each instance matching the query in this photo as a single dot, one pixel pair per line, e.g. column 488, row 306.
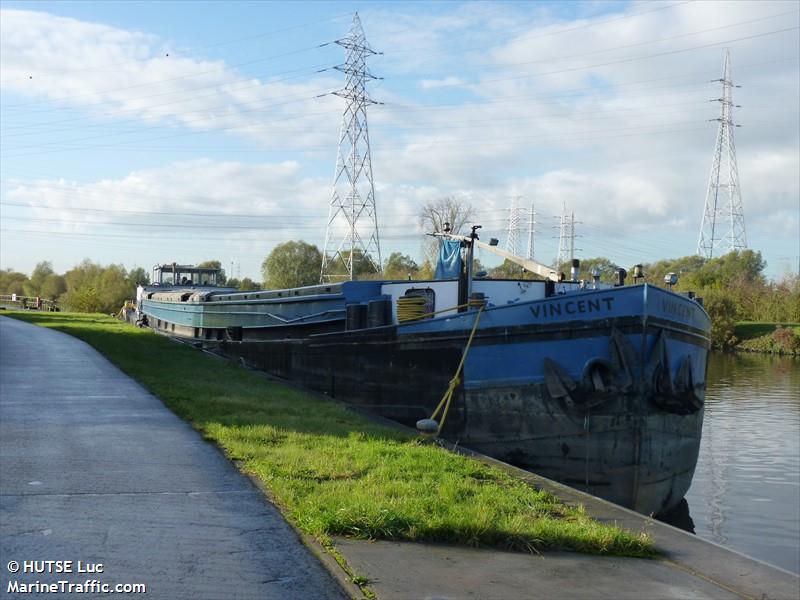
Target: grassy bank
column 769, row 338
column 334, row 472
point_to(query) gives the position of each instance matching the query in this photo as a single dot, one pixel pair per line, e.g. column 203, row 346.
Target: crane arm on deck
column 526, row 263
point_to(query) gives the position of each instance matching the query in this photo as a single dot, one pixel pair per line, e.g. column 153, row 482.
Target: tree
column 215, row 264
column 292, row 264
column 84, row 299
column 737, row 267
column 434, row 215
column 82, row 275
column 695, row 272
column 400, row 266
column 94, row 288
column 52, row 287
column 363, row 265
column 244, row 285
column 607, row 269
column 115, row 288
column 432, row 218
column 684, row 267
column 12, row 282
column 427, row 270
column 248, row 285
column 722, row 310
column 40, row 272
column 507, row 270
column 138, row 276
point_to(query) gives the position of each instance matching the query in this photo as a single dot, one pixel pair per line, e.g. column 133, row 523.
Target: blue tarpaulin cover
column 449, row 263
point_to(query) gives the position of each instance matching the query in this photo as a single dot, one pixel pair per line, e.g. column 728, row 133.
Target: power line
column 161, row 239
column 306, row 115
column 618, row 61
column 637, row 44
column 138, row 130
column 167, row 80
column 155, row 225
column 576, row 92
column 495, row 141
column 190, row 48
column 466, row 124
column 394, row 107
column 557, row 32
column 189, row 94
column 303, row 215
column 623, row 60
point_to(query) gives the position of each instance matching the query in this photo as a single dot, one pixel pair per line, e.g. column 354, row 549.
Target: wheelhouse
column 175, row 274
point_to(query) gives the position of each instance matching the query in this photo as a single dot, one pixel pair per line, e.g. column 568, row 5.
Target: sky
column 150, row 132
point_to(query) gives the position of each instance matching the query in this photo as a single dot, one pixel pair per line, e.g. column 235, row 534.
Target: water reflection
column 746, row 489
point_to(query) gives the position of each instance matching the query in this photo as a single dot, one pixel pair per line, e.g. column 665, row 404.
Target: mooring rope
column 444, row 403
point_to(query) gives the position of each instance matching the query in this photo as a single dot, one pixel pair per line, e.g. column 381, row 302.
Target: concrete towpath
column 95, row 469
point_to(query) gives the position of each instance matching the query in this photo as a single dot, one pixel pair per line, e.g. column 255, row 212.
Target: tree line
column 733, row 286
column 87, row 287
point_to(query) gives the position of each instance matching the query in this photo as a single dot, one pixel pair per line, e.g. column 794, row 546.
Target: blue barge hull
column 600, row 389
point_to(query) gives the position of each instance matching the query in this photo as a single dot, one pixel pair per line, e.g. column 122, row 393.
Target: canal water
column 746, row 490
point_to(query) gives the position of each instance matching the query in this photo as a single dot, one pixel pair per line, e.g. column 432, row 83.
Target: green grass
column 333, row 472
column 748, row 330
column 760, row 337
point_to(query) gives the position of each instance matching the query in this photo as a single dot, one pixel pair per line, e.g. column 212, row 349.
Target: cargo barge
column 598, row 386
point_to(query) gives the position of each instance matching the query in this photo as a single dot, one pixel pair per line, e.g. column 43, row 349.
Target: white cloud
column 626, row 145
column 200, row 186
column 132, row 76
column 431, row 84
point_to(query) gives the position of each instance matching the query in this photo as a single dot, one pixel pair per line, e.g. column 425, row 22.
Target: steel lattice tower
column 515, row 215
column 351, row 236
column 531, row 231
column 566, row 237
column 723, row 207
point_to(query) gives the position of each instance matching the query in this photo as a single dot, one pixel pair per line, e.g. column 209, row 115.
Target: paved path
column 459, row 573
column 94, row 468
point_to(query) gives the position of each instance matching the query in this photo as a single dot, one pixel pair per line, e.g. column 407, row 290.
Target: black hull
column 622, row 446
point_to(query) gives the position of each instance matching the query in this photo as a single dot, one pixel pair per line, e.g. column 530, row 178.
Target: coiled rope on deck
column 410, row 311
column 411, row 308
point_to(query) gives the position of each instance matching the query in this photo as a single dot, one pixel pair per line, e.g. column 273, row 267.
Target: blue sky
column 115, row 116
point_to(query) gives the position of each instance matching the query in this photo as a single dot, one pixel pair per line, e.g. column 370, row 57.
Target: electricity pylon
column 531, row 231
column 566, row 237
column 351, row 236
column 723, row 207
column 515, row 216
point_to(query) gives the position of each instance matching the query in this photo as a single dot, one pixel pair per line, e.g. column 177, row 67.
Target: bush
column 786, row 340
column 722, row 311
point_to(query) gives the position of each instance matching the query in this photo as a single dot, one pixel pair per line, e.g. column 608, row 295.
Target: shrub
column 786, row 340
column 722, row 310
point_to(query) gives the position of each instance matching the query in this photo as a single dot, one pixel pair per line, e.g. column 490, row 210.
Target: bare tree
column 451, row 210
